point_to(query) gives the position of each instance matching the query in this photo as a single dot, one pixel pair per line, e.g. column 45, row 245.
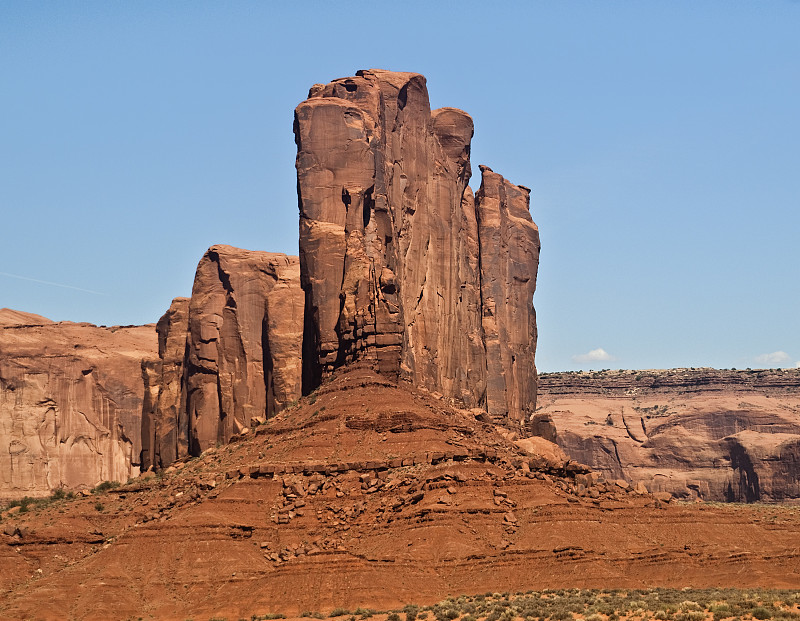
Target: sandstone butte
column 358, row 426
column 400, row 263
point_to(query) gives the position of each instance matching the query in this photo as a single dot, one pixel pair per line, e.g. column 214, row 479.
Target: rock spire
column 400, row 263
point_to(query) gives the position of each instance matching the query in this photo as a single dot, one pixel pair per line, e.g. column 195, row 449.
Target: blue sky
column 661, row 141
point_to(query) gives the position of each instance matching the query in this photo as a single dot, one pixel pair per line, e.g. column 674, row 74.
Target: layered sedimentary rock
column 696, row 433
column 71, row 398
column 400, row 263
column 228, row 355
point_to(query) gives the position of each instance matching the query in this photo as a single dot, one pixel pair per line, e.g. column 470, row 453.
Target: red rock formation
column 696, row 433
column 165, row 427
column 507, row 287
column 244, row 344
column 394, row 250
column 70, row 403
column 228, row 355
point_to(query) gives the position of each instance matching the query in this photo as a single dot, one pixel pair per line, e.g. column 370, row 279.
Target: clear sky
column 661, row 140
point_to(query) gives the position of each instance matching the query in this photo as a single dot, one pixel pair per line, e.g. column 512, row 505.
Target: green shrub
column 106, row 485
column 393, row 616
column 692, row 615
column 411, row 612
column 339, row 612
column 761, row 613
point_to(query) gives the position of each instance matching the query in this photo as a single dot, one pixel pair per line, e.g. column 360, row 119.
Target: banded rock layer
column 227, row 356
column 696, row 433
column 71, row 399
column 400, row 263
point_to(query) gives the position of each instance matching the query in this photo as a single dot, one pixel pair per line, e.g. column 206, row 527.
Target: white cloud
column 596, row 355
column 797, row 365
column 776, row 358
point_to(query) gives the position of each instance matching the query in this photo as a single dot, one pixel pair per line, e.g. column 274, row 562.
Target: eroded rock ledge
column 400, row 263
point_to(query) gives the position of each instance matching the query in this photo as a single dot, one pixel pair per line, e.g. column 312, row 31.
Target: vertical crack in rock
column 386, row 213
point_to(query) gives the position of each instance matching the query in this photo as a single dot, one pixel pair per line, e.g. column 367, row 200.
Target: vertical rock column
column 165, row 429
column 392, row 249
column 509, row 246
column 229, row 354
column 234, row 333
column 387, row 239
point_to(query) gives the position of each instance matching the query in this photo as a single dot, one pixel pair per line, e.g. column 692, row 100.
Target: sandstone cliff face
column 71, row 398
column 228, row 355
column 400, row 263
column 697, row 433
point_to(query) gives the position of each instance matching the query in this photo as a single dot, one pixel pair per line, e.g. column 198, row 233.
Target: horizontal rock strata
column 712, row 434
column 400, row 263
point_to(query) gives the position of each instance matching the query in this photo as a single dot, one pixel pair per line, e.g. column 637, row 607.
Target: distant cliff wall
column 71, row 397
column 698, row 433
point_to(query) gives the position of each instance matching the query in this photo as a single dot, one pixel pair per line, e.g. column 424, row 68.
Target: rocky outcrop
column 721, row 435
column 400, row 263
column 244, row 342
column 228, row 355
column 71, row 398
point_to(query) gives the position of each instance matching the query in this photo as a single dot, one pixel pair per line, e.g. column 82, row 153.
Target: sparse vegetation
column 105, row 486
column 653, row 411
column 614, row 605
column 27, row 503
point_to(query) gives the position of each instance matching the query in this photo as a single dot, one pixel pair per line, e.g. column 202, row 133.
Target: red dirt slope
column 382, row 496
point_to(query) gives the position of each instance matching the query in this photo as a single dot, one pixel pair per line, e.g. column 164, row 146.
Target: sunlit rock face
column 71, row 396
column 400, row 263
column 713, row 434
column 228, row 355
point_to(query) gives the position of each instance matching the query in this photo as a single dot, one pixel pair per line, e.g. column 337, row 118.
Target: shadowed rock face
column 400, row 263
column 70, row 397
column 228, row 355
